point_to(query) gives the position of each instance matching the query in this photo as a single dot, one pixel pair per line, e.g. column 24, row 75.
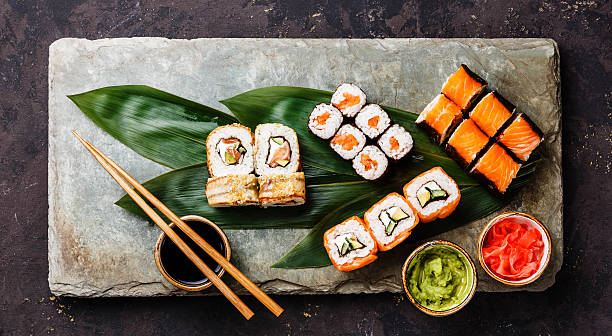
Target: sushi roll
column 466, row 143
column 439, row 117
column 349, row 99
column 396, row 142
column 350, row 245
column 390, row 221
column 231, row 190
column 496, row 168
column 282, row 189
column 491, row 113
column 433, row 194
column 348, row 141
column 229, row 150
column 371, row 163
column 464, row 87
column 522, row 136
column 324, row 121
column 277, row 150
column 372, row 120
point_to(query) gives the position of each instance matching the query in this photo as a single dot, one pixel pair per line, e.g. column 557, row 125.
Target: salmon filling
column 346, row 140
column 349, row 100
column 280, row 152
column 322, row 119
column 394, row 143
column 231, row 151
column 367, row 162
column 373, row 122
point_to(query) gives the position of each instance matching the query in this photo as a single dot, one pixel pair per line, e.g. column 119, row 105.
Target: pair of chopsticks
column 121, row 177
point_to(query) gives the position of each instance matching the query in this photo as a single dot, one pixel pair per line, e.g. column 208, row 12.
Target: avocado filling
column 231, row 151
column 391, row 217
column 279, row 153
column 430, row 192
column 347, row 243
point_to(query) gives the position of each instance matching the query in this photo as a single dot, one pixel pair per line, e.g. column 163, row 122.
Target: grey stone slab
column 98, row 249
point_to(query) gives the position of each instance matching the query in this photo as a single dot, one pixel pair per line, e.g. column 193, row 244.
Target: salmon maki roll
column 324, row 121
column 349, row 99
column 348, row 142
column 522, row 136
column 463, row 87
column 350, row 245
column 491, row 113
column 390, row 221
column 439, row 117
column 371, row 163
column 496, row 168
column 466, row 142
column 372, row 120
column 396, row 142
column 433, row 194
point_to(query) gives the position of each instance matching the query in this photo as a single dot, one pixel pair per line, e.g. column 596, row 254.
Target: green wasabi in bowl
column 439, row 277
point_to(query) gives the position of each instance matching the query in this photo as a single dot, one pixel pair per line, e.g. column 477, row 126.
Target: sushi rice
column 371, row 163
column 372, row 120
column 348, row 141
column 324, row 121
column 349, row 99
column 396, row 142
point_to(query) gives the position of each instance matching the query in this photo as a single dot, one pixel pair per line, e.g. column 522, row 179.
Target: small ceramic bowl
column 199, row 285
column 532, row 222
column 471, row 268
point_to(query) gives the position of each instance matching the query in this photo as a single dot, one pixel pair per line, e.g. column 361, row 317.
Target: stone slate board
column 98, row 249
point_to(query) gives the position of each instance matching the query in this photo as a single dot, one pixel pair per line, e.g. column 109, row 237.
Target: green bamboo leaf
column 160, row 126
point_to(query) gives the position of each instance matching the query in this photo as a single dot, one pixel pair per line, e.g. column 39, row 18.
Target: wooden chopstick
column 214, row 279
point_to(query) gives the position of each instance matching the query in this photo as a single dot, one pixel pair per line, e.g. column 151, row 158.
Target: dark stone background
column 579, row 302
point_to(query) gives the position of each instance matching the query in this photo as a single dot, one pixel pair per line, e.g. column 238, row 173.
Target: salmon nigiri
column 497, row 167
column 491, row 113
column 466, row 142
column 463, row 87
column 522, row 136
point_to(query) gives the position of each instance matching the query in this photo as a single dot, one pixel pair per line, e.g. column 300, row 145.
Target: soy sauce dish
column 439, row 278
column 174, row 265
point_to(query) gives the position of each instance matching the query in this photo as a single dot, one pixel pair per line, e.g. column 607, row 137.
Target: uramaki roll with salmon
column 491, row 113
column 372, row 120
column 522, row 137
column 396, row 142
column 466, row 143
column 439, row 118
column 349, row 99
column 350, row 245
column 496, row 168
column 277, row 150
column 371, row 163
column 229, row 150
column 324, row 121
column 433, row 194
column 464, row 87
column 390, row 221
column 348, row 141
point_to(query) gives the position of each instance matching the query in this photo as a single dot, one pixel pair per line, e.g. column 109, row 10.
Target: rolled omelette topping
column 349, row 100
column 346, row 140
column 347, row 243
column 231, row 151
column 512, row 250
column 280, row 152
column 439, row 278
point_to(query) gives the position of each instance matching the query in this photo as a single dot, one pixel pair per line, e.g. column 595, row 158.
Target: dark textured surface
column 579, row 302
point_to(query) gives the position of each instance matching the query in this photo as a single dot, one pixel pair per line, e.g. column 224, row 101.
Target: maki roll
column 231, row 190
column 229, row 150
column 372, row 120
column 439, row 117
column 522, row 136
column 276, row 150
column 466, row 142
column 396, row 142
column 348, row 141
column 390, row 221
column 491, row 113
column 496, row 168
column 433, row 194
column 324, row 121
column 282, row 189
column 371, row 163
column 464, row 87
column 349, row 99
column 350, row 245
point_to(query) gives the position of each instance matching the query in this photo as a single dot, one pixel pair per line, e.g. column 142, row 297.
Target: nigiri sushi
column 390, row 221
column 348, row 141
column 439, row 117
column 522, row 136
column 372, row 120
column 324, row 121
column 229, row 150
column 433, row 194
column 496, row 168
column 396, row 142
column 371, row 163
column 466, row 142
column 464, row 87
column 349, row 99
column 491, row 112
column 350, row 245
column 277, row 150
